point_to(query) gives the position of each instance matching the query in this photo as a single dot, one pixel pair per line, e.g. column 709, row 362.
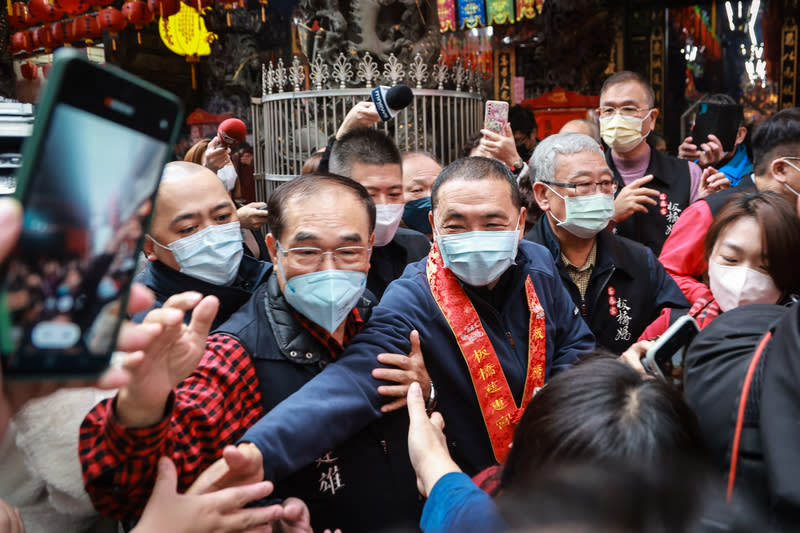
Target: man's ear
column 653, row 119
column 539, row 191
column 523, row 213
column 778, row 169
column 430, row 221
column 741, row 133
column 149, row 249
column 272, row 248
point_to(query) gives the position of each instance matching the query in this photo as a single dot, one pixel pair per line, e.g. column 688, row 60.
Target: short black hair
column 308, row 185
column 522, row 119
column 777, row 136
column 362, row 145
column 624, row 77
column 475, row 168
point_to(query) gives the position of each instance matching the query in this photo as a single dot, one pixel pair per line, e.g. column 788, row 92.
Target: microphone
column 390, row 100
column 231, row 132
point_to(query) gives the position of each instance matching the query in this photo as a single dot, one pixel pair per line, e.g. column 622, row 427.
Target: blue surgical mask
column 212, row 254
column 586, row 215
column 415, row 215
column 325, row 297
column 479, row 257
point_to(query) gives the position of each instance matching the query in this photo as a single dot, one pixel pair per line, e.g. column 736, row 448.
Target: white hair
column 543, row 160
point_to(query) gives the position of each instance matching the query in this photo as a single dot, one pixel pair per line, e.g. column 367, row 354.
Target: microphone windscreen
column 398, row 97
column 231, row 131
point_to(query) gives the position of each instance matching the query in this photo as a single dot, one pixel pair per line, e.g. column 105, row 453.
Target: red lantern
column 20, row 15
column 44, row 10
column 60, row 32
column 29, row 70
column 139, row 14
column 87, row 27
column 113, row 21
column 72, row 7
column 46, row 69
column 22, row 41
column 43, row 38
column 164, row 8
column 100, row 4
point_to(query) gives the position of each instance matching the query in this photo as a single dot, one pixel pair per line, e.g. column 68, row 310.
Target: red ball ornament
column 72, row 7
column 44, row 10
column 22, row 41
column 43, row 38
column 29, row 70
column 59, row 31
column 87, row 27
column 137, row 13
column 164, row 8
column 111, row 19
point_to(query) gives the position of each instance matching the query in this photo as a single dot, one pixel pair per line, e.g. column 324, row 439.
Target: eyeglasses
column 625, row 111
column 586, row 188
column 307, row 257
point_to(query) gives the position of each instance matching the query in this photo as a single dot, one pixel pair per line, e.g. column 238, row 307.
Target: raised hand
column 500, row 146
column 712, row 181
column 410, row 368
column 205, row 513
column 361, row 115
column 251, row 216
column 427, row 446
column 239, row 465
column 634, row 198
column 216, row 155
column 167, row 360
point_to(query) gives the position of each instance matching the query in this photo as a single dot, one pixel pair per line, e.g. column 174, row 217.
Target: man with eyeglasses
column 617, row 284
column 494, row 323
column 653, row 188
column 296, row 323
column 776, row 167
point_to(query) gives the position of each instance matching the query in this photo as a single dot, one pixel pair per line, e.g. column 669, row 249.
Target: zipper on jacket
column 510, row 339
column 584, row 311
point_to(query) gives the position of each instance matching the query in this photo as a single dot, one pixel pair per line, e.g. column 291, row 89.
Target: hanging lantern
column 43, row 38
column 72, row 7
column 44, row 10
column 46, row 69
column 62, row 32
column 112, row 20
column 164, row 8
column 88, row 28
column 22, row 41
column 185, row 34
column 29, row 70
column 20, row 15
column 100, row 4
column 139, row 14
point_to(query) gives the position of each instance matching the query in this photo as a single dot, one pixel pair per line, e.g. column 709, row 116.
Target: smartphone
column 665, row 357
column 89, row 174
column 496, row 116
column 721, row 120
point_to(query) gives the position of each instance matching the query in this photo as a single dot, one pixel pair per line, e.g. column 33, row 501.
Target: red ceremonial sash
column 500, row 411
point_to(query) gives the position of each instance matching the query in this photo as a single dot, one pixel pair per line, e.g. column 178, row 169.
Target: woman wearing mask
column 750, row 250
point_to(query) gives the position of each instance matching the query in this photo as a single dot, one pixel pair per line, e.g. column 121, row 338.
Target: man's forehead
column 494, row 192
column 627, row 90
column 582, row 163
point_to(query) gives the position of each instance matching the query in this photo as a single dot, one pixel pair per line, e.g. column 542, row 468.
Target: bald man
column 581, row 125
column 195, row 242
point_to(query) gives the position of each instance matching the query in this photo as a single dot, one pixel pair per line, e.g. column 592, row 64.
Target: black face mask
column 524, row 152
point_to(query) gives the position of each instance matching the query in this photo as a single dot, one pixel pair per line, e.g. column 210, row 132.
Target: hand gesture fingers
column 410, row 368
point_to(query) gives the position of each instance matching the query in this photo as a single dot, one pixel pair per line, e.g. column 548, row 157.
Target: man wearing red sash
column 494, row 323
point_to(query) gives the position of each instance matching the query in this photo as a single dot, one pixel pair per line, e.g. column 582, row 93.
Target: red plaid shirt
column 208, row 410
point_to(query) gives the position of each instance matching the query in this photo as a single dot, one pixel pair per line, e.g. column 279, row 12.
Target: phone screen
column 86, row 202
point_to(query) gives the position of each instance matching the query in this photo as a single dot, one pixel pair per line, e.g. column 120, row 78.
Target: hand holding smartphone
column 665, row 358
column 496, row 116
column 88, row 179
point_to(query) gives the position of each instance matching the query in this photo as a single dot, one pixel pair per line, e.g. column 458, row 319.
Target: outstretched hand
column 239, row 465
column 220, row 510
column 634, row 198
column 500, row 146
column 169, row 359
column 410, row 369
column 427, row 446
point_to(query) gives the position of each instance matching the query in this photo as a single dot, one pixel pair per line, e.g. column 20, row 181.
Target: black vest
column 671, row 177
column 367, row 482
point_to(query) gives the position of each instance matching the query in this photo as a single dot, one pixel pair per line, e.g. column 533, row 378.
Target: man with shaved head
column 195, row 243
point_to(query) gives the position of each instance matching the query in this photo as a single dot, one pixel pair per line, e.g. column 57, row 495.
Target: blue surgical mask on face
column 586, row 215
column 415, row 215
column 325, row 297
column 213, row 254
column 479, row 257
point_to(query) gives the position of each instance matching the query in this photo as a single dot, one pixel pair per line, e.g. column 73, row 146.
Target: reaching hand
column 10, row 519
column 239, row 465
column 251, row 216
column 634, row 198
column 633, row 355
column 500, row 146
column 362, row 115
column 217, row 511
column 427, row 446
column 712, row 181
column 216, row 155
column 169, row 359
column 411, row 368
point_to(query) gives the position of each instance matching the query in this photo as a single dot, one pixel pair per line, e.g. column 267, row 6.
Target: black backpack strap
column 752, row 379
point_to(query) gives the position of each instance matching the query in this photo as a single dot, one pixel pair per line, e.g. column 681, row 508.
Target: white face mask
column 387, row 221
column 622, row 133
column 733, row 286
column 586, row 215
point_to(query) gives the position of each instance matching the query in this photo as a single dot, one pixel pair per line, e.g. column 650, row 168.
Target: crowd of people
column 442, row 346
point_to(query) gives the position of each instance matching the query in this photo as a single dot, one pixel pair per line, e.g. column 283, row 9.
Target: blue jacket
column 343, row 398
column 455, row 503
